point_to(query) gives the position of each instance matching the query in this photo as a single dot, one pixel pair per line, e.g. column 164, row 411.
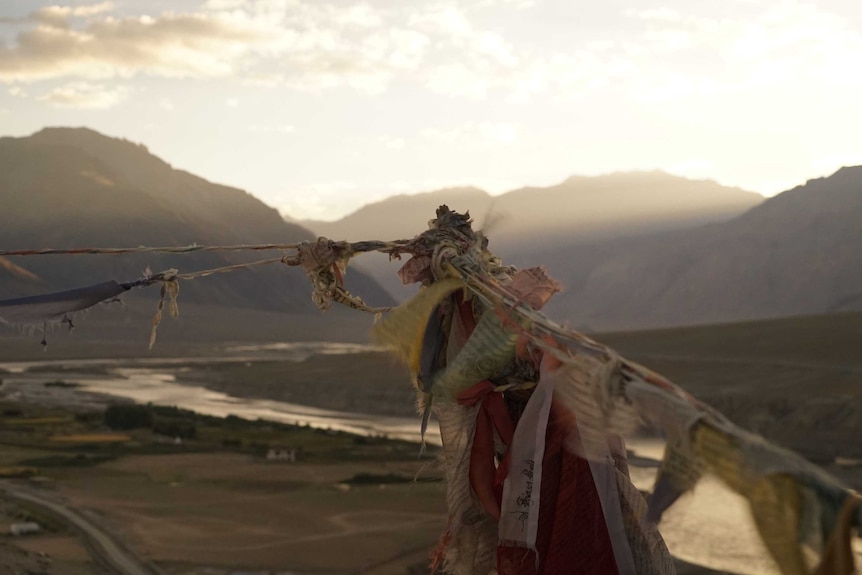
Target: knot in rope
column 325, row 263
column 442, row 254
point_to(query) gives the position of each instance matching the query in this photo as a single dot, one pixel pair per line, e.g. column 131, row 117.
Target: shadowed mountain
column 73, row 187
column 613, row 205
column 542, row 225
column 638, row 250
column 796, row 253
column 401, row 216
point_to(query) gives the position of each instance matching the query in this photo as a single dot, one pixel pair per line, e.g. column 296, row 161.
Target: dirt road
column 105, row 548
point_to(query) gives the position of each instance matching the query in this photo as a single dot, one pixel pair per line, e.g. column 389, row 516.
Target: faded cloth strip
column 492, row 416
column 572, row 537
column 605, row 479
column 519, row 513
column 53, row 307
column 404, row 327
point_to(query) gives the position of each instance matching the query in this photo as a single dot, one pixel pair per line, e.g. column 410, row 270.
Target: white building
column 281, row 454
column 24, row 528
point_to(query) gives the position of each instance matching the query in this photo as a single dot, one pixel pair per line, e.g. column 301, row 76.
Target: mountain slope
column 612, row 205
column 543, row 225
column 401, row 216
column 650, row 250
column 590, row 209
column 797, row 253
column 73, row 187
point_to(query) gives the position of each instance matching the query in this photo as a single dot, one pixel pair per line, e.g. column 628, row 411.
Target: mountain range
column 701, row 253
column 542, row 225
column 797, row 253
column 579, row 208
column 633, row 250
column 73, row 187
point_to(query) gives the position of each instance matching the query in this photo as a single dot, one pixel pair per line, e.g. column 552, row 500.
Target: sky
column 319, row 106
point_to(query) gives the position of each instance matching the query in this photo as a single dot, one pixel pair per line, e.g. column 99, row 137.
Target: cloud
column 309, row 46
column 661, row 54
column 58, row 14
column 85, row 95
column 498, row 132
column 174, row 45
column 305, row 45
column 360, row 15
column 493, row 132
column 657, row 54
column 459, row 79
column 272, row 129
column 223, row 4
column 787, row 43
column 661, row 14
column 466, row 61
column 391, row 143
column 517, row 4
column 368, row 63
column 446, row 21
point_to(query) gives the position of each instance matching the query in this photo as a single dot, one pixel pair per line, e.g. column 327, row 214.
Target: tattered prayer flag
column 519, row 522
column 404, row 328
column 53, row 307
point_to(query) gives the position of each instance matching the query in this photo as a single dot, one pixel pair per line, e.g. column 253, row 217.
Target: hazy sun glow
column 318, row 106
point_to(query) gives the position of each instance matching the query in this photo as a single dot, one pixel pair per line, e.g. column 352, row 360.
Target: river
column 155, row 380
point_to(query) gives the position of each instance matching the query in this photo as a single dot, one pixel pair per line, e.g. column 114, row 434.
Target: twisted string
column 356, row 247
column 147, row 249
column 326, row 273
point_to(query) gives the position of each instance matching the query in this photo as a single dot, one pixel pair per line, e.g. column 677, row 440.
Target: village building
column 281, row 454
column 24, row 528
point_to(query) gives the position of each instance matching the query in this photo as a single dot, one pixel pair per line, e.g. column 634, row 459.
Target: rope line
column 172, row 274
column 356, row 247
column 148, row 249
column 227, row 269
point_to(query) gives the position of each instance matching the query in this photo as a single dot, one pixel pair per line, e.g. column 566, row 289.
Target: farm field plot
column 228, row 510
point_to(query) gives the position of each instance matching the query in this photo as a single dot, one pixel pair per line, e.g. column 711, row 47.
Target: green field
column 213, row 499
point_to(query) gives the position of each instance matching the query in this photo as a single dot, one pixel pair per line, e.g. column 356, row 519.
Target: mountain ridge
column 540, row 224
column 482, row 205
column 738, row 258
column 794, row 254
column 74, row 187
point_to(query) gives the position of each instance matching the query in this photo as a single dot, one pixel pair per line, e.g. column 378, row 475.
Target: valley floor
column 213, row 504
